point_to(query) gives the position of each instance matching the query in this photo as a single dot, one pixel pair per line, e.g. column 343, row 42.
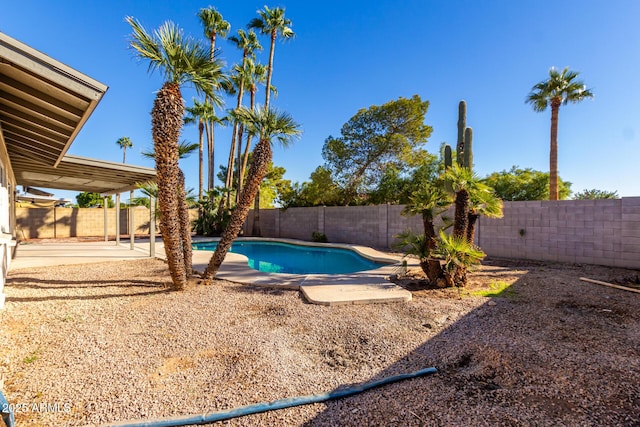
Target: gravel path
column 107, row 342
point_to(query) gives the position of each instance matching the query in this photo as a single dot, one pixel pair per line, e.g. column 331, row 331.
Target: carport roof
column 43, row 105
column 81, row 174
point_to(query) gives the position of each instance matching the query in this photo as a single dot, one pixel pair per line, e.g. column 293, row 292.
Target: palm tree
column 124, row 143
column 269, row 124
column 248, row 42
column 256, row 74
column 559, row 89
column 430, row 201
column 200, row 113
column 272, row 22
column 181, row 61
column 461, row 180
column 482, row 202
column 458, row 256
column 214, row 25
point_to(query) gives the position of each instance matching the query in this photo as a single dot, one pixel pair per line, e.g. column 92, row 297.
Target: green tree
column 181, row 61
column 124, row 143
column 272, row 188
column 559, row 89
column 375, row 139
column 519, row 184
column 90, row 200
column 269, row 125
column 321, row 190
column 595, row 194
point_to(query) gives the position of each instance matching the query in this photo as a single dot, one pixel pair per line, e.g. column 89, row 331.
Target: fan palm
column 272, row 22
column 559, row 89
column 124, row 143
column 458, row 257
column 482, row 202
column 269, row 124
column 430, row 202
column 181, row 61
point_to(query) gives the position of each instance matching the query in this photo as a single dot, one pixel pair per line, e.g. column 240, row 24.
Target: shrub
column 317, row 236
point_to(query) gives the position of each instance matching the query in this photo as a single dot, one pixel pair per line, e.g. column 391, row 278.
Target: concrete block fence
column 603, row 232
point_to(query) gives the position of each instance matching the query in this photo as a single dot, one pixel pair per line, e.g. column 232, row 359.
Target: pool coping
column 365, row 287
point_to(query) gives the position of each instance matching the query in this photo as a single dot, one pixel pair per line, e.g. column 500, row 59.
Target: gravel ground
column 108, row 342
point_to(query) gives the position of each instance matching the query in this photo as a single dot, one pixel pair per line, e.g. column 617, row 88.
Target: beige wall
column 605, row 232
column 46, row 223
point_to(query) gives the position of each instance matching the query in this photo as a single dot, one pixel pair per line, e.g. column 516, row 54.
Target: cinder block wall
column 604, row 232
column 47, row 223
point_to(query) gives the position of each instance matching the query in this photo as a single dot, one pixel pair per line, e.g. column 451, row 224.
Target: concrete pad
column 42, row 254
column 355, row 294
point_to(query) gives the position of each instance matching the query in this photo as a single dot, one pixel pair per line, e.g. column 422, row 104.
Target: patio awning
column 43, row 105
column 81, row 174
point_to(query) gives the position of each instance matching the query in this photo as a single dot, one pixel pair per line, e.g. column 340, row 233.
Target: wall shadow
column 549, row 352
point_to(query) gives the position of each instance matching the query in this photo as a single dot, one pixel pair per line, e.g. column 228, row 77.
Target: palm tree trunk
column 238, row 167
column 166, row 120
column 247, row 148
column 431, row 266
column 185, row 227
column 232, row 150
column 270, row 68
column 200, row 158
column 255, row 230
column 461, row 217
column 210, row 160
column 124, row 154
column 553, row 151
column 257, row 171
column 471, row 227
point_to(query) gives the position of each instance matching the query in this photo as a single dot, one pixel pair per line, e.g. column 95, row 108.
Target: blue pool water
column 277, row 257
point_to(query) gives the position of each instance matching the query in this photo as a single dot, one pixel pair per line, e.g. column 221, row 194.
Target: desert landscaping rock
column 112, row 343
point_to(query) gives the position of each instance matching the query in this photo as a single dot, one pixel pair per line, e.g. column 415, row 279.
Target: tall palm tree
column 248, row 42
column 185, row 200
column 256, row 74
column 269, row 124
column 214, row 25
column 272, row 22
column 181, row 61
column 124, row 143
column 559, row 89
column 200, row 113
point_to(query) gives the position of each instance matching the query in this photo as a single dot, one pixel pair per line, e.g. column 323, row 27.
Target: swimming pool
column 279, row 257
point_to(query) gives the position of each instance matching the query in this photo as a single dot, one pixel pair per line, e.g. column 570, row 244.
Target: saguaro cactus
column 468, row 149
column 462, row 124
column 464, row 146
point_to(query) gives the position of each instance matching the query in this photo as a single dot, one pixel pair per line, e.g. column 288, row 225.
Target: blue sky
column 351, row 54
